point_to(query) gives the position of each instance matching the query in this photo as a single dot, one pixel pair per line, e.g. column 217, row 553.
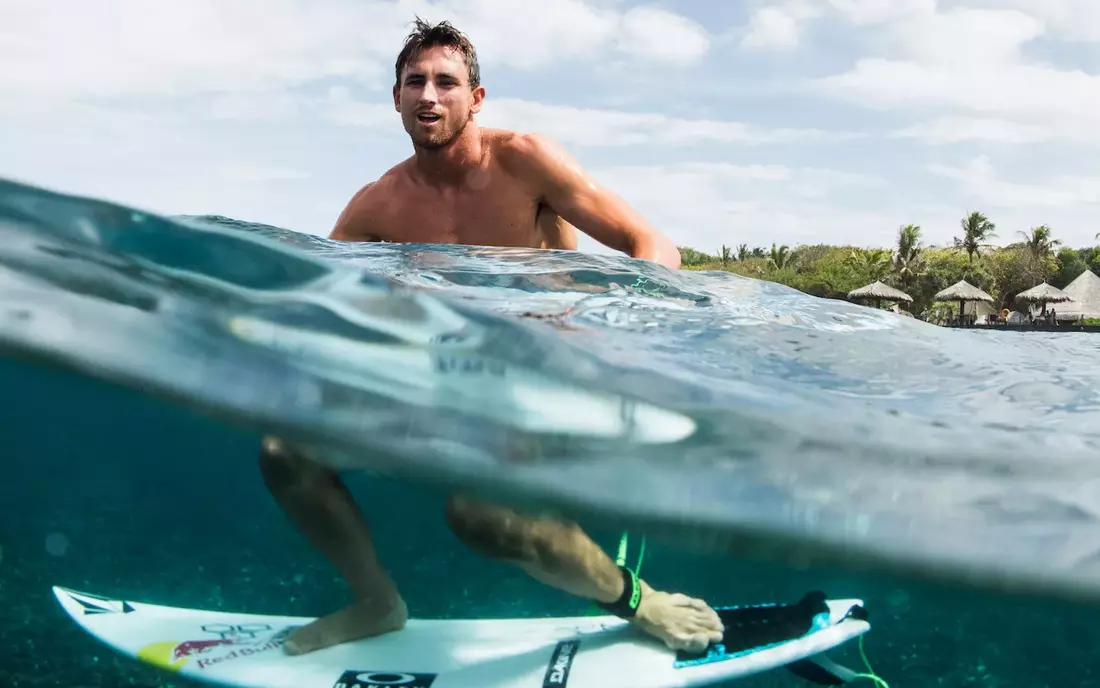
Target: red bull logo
column 232, row 642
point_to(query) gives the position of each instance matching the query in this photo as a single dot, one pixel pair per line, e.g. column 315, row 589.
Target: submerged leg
column 561, row 555
column 322, row 509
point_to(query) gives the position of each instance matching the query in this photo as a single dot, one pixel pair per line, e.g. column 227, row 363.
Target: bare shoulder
column 535, row 158
column 356, row 222
column 518, row 148
column 384, row 185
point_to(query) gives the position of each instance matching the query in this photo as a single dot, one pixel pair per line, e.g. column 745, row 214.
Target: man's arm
column 350, row 225
column 579, row 200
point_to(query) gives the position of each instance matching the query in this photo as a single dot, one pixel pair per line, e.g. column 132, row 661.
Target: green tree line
column 917, row 269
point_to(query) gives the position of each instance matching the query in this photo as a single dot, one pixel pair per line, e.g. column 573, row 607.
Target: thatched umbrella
column 1043, row 293
column 962, row 291
column 1085, row 292
column 877, row 291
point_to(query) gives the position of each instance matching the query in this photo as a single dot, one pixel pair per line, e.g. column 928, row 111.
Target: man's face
column 434, row 97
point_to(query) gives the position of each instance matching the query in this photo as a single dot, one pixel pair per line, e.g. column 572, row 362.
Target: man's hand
column 578, row 199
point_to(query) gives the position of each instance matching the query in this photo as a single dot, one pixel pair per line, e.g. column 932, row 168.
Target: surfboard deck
column 244, row 650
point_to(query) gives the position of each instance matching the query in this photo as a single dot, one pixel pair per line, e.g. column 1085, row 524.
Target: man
column 470, row 185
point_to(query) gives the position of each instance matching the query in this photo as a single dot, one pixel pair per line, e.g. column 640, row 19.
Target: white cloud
column 588, row 127
column 1041, row 94
column 252, row 172
column 772, row 27
column 558, row 29
column 1074, row 20
column 663, row 36
column 600, row 128
column 65, row 49
column 253, row 106
column 981, row 181
column 707, row 204
column 572, row 30
column 949, row 130
column 864, row 12
column 970, row 63
column 966, row 38
column 1067, row 203
column 341, row 108
column 278, row 111
column 126, row 48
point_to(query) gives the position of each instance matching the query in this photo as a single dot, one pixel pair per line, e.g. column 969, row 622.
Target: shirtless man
column 469, row 185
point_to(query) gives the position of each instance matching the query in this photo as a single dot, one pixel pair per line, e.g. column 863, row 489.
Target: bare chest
column 498, row 214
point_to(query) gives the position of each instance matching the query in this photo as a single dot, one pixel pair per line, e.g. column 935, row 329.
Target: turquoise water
column 766, row 442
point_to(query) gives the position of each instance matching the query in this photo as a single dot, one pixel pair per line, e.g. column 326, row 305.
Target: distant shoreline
column 1028, row 327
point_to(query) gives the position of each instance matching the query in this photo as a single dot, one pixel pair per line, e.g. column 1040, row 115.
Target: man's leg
column 323, row 510
column 561, row 555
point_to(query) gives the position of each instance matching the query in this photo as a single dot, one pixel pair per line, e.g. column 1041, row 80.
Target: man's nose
column 428, row 94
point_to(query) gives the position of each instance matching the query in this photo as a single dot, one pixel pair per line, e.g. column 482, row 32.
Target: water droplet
column 57, row 544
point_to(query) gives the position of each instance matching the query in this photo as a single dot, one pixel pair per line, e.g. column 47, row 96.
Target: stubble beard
column 442, row 138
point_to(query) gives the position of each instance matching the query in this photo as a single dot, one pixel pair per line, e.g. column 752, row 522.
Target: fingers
column 698, row 632
column 704, row 608
column 692, row 643
column 708, row 617
column 684, row 623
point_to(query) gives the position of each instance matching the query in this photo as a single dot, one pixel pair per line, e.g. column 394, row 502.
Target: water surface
column 716, row 411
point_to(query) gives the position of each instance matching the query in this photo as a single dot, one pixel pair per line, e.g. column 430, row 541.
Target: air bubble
column 57, row 544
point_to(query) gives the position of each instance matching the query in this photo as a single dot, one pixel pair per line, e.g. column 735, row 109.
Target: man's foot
column 361, row 619
column 681, row 622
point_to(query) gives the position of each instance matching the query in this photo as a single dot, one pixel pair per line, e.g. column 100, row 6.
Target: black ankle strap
column 627, row 605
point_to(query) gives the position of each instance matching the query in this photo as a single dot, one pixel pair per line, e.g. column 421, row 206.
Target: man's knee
column 500, row 533
column 492, row 531
column 284, row 468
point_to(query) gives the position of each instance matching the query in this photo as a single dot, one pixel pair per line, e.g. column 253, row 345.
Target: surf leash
column 870, row 675
column 624, row 543
column 627, row 605
column 630, row 576
column 620, row 561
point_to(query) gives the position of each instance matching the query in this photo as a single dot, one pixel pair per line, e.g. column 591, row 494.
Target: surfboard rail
column 243, row 650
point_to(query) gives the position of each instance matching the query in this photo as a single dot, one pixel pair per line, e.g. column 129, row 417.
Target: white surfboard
column 244, row 650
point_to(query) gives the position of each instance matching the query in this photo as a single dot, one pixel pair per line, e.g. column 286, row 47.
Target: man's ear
column 479, row 98
column 397, row 97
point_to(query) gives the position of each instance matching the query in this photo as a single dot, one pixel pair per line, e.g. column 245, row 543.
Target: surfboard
column 244, row 650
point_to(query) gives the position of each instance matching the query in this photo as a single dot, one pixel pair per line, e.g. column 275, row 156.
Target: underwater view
column 765, row 442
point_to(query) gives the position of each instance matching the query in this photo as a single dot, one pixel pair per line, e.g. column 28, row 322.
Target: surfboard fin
column 822, row 671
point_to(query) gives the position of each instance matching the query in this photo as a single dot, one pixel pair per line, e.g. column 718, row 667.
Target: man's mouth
column 427, row 117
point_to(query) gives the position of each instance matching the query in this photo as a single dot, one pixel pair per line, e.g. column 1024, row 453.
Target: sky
column 793, row 122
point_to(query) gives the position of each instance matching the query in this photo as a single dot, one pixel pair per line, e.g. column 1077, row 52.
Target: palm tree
column 725, row 256
column 976, row 230
column 875, row 262
column 742, row 252
column 907, row 258
column 1038, row 241
column 779, row 256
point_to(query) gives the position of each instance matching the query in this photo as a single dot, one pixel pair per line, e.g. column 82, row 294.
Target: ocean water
column 765, row 441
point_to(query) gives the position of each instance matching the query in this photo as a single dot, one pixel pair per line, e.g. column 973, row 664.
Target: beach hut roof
column 1085, row 292
column 1043, row 293
column 963, row 291
column 878, row 290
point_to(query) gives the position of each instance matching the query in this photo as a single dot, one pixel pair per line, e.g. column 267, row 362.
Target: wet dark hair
column 425, row 35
